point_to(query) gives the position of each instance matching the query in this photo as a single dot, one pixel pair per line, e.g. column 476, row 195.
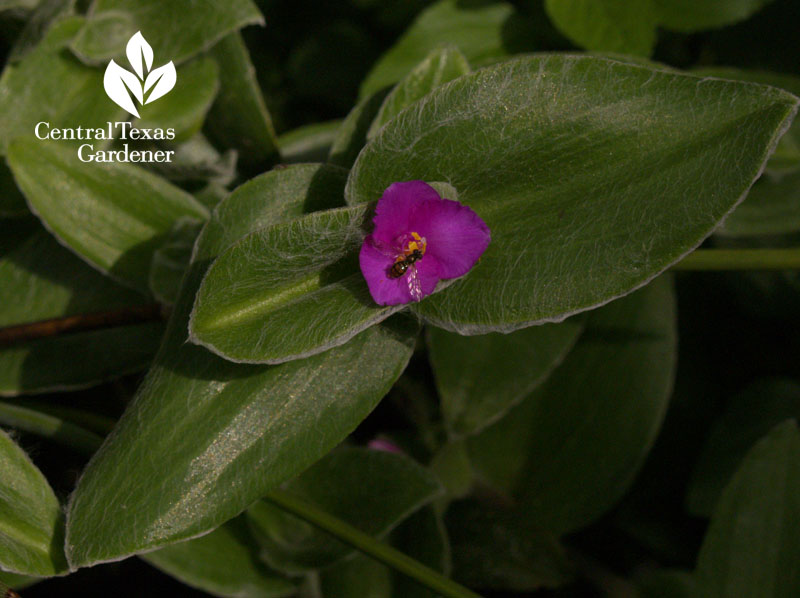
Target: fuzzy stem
column 370, row 546
column 740, row 259
column 48, row 426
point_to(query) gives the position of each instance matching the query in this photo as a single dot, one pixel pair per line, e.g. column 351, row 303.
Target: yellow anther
column 418, row 244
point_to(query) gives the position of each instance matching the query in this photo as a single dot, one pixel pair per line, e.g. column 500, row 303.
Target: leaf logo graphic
column 120, row 84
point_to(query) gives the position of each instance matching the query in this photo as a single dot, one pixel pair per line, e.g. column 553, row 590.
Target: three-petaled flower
column 419, row 239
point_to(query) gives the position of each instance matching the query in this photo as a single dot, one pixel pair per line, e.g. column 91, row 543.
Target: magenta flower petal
column 375, row 266
column 419, row 239
column 456, row 236
column 396, row 206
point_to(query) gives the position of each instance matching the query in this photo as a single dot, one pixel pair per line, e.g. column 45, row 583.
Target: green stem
column 87, row 442
column 370, row 546
column 50, row 427
column 741, row 259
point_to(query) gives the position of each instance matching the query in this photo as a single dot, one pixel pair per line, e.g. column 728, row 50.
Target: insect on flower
column 419, row 239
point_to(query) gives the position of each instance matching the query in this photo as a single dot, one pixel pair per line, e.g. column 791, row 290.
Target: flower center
column 413, row 248
column 413, row 244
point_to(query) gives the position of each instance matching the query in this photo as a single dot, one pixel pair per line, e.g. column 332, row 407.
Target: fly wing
column 414, row 283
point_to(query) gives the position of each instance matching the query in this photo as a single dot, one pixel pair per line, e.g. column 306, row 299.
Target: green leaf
column 773, row 204
column 352, row 134
column 371, row 490
column 624, row 26
column 696, row 15
column 750, row 415
column 24, row 5
column 771, row 208
column 593, row 176
column 287, row 291
column 112, row 215
column 223, row 563
column 49, row 426
column 212, row 194
column 32, row 530
column 239, row 118
column 479, row 378
column 476, row 29
column 439, row 67
column 571, row 449
column 494, row 548
column 177, row 30
column 12, row 202
column 200, row 425
column 750, row 548
column 47, row 14
column 195, row 161
column 310, row 143
column 184, row 108
column 422, row 537
column 359, row 577
column 49, row 365
column 786, row 158
column 55, row 284
column 171, row 260
column 17, row 581
column 452, row 466
column 50, row 85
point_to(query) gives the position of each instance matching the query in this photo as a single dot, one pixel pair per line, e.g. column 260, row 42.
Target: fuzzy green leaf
column 200, row 425
column 176, row 30
column 223, row 563
column 372, row 490
column 50, row 85
column 55, row 283
column 571, row 449
column 32, row 528
column 593, row 176
column 750, row 415
column 476, row 29
column 696, row 15
column 352, row 134
column 751, row 548
column 287, row 291
column 310, row 143
column 479, row 378
column 171, row 260
column 439, row 67
column 239, row 118
column 112, row 215
column 624, row 26
column 184, row 108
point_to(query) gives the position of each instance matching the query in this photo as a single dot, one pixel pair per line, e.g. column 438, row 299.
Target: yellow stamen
column 418, row 244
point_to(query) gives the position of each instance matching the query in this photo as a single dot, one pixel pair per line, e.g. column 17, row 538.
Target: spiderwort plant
column 419, row 239
column 585, row 178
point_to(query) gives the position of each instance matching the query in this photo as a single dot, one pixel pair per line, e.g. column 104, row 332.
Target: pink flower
column 418, row 240
column 383, row 444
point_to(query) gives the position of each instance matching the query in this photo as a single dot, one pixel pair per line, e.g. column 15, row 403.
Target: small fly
column 412, row 248
column 404, row 265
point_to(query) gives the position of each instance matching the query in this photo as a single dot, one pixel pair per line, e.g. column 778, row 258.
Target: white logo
column 121, row 83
